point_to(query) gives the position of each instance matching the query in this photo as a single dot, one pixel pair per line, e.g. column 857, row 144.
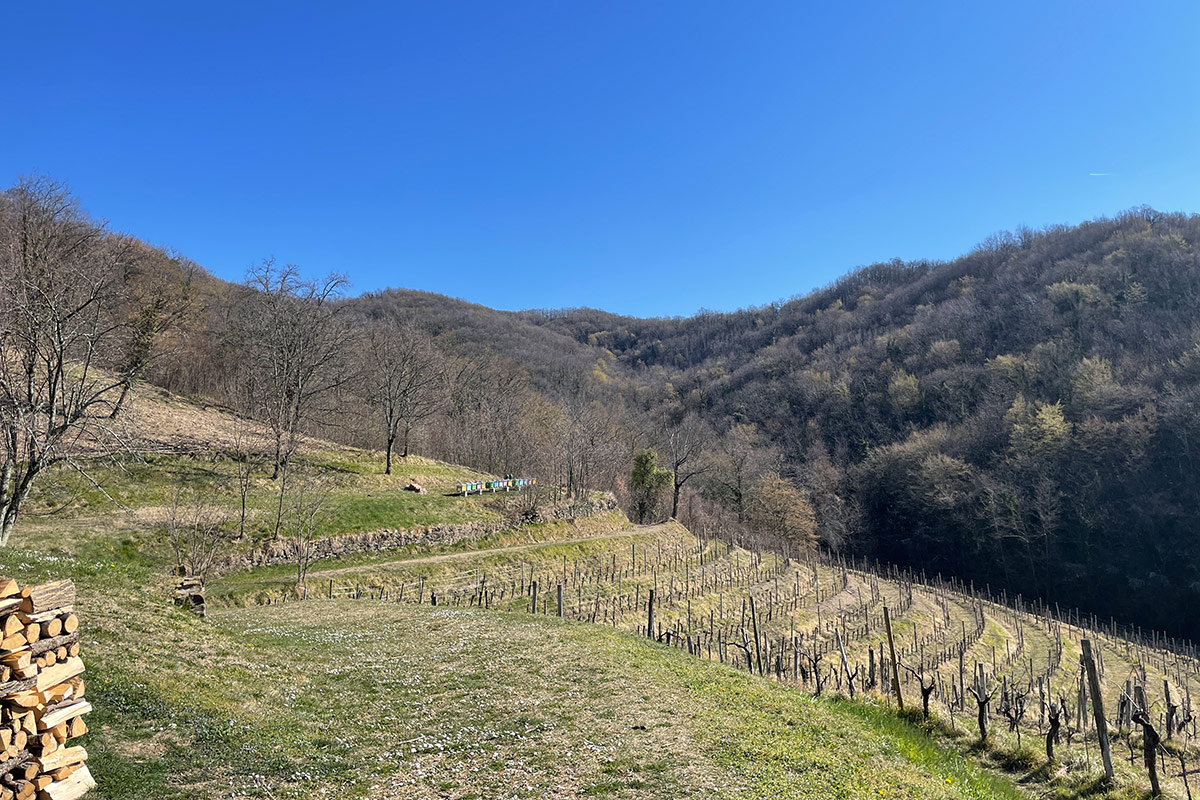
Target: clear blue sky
column 643, row 157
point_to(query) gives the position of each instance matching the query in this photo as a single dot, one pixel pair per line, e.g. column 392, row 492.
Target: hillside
column 367, row 689
column 1022, row 416
column 360, row 698
column 1019, row 418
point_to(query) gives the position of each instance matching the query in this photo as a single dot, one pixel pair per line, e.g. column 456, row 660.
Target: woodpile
column 41, row 694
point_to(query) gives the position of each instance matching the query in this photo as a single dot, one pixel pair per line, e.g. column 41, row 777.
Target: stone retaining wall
column 283, row 551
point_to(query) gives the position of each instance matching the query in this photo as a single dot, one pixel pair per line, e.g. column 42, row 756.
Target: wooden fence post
column 1089, row 664
column 650, row 615
column 560, row 600
column 887, row 621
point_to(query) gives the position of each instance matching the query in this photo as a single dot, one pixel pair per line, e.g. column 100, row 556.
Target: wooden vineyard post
column 754, row 623
column 845, row 663
column 650, row 615
column 533, row 592
column 887, row 622
column 1089, row 664
column 560, row 600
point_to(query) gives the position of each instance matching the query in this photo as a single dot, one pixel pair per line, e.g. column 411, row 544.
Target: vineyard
column 980, row 667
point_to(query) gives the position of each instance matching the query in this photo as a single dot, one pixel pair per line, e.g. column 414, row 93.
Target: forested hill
column 1025, row 415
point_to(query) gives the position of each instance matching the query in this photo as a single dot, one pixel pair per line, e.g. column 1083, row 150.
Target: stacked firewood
column 41, row 694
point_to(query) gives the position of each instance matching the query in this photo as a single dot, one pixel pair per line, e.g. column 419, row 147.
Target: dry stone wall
column 283, row 551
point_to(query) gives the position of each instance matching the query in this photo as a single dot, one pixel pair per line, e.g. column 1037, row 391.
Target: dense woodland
column 1022, row 416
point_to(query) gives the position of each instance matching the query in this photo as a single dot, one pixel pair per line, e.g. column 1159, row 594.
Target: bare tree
column 293, row 340
column 248, row 458
column 405, row 381
column 307, row 505
column 62, row 331
column 778, row 507
column 744, row 454
column 197, row 531
column 686, row 454
column 158, row 297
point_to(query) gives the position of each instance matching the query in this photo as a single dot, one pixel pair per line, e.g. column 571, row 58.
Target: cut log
column 16, row 659
column 47, row 596
column 45, row 616
column 59, row 673
column 63, row 713
column 14, row 642
column 70, row 788
column 46, row 645
column 11, row 763
column 30, row 698
column 70, row 623
column 56, row 694
column 62, row 758
column 9, row 587
column 11, row 624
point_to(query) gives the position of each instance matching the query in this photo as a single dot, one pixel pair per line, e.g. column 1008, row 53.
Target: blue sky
column 643, row 157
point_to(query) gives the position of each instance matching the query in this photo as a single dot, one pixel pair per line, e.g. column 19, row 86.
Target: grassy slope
column 331, row 698
column 350, row 698
column 345, row 699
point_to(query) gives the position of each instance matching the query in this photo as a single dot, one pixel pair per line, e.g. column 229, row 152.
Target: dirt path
column 638, row 530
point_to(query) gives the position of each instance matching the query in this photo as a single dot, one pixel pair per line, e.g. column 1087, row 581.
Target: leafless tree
column 248, row 459
column 293, row 340
column 744, row 454
column 197, row 531
column 308, row 498
column 405, row 382
column 686, row 453
column 158, row 297
column 64, row 329
column 778, row 507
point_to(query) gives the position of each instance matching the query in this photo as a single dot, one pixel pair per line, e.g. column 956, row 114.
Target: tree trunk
column 12, row 509
column 1150, row 741
column 282, row 494
column 391, row 443
column 120, row 400
column 675, row 501
column 1052, row 734
column 8, row 520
